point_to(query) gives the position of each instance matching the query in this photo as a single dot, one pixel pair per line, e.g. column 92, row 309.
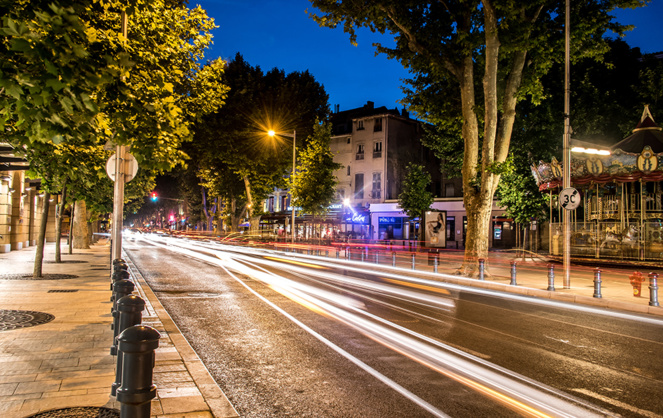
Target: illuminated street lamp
column 292, row 197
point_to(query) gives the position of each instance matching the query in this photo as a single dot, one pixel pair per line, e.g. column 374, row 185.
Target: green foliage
column 415, row 197
column 232, row 143
column 313, row 187
column 48, row 75
column 70, row 82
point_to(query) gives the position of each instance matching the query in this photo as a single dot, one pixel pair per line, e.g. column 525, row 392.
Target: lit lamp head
column 271, row 132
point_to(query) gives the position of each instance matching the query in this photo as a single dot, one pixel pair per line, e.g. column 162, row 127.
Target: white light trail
column 511, row 389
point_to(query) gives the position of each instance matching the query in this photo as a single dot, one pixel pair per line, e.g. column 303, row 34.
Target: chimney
column 369, row 105
column 337, row 108
column 405, row 113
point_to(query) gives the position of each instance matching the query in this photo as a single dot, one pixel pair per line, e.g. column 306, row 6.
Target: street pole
column 292, row 197
column 566, row 214
column 118, row 190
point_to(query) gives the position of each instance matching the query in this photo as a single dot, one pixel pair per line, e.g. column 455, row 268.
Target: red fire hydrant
column 636, row 281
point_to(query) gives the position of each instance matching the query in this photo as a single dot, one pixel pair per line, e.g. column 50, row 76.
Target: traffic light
column 154, row 196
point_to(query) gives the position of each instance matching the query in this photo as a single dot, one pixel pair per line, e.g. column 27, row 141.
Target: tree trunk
column 476, row 243
column 58, row 224
column 70, row 241
column 41, row 237
column 81, row 240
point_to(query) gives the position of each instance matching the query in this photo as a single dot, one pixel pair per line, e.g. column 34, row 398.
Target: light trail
column 508, row 388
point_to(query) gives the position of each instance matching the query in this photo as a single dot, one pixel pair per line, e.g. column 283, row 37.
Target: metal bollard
column 121, row 289
column 137, row 344
column 597, row 283
column 482, row 268
column 513, row 273
column 338, row 253
column 435, row 264
column 129, row 310
column 393, row 259
column 377, row 257
column 653, row 289
column 347, row 253
column 551, row 277
column 362, row 256
column 413, row 261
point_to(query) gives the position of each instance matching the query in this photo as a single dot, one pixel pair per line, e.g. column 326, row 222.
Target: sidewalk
column 55, row 352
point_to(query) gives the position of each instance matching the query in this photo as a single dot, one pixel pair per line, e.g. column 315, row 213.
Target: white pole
column 292, row 198
column 567, row 154
column 118, row 190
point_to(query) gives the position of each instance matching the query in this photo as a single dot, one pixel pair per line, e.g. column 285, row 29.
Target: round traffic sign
column 569, row 198
column 130, row 167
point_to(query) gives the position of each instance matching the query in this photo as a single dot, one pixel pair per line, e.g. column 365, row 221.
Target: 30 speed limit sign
column 569, row 198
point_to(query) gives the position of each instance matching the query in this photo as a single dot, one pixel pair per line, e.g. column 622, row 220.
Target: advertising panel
column 436, row 229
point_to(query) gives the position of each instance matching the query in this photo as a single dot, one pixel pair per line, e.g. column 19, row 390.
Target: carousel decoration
column 621, row 215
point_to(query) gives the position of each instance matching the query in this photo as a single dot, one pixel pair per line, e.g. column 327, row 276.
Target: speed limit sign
column 569, row 198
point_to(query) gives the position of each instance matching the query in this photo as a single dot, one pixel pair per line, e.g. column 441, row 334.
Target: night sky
column 279, row 33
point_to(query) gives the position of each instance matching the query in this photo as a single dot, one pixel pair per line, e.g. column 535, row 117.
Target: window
column 348, row 140
column 449, row 190
column 360, row 152
column 377, row 149
column 359, row 186
column 377, row 127
column 377, row 185
column 271, row 204
column 348, row 171
column 360, row 125
column 284, row 203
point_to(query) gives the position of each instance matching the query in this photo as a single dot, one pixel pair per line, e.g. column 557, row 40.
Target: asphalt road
column 286, row 336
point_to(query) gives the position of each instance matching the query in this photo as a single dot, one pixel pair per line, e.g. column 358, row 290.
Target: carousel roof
column 646, row 133
column 638, row 157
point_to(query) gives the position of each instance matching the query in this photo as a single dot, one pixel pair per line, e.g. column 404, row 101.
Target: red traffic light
column 154, row 196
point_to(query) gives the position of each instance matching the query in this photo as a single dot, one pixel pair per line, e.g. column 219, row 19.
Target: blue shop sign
column 389, row 220
column 357, row 218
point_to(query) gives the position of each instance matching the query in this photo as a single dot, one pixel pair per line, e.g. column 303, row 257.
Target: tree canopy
column 235, row 158
column 472, row 62
column 314, row 185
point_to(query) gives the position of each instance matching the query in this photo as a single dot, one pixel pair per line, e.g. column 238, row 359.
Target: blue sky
column 279, row 33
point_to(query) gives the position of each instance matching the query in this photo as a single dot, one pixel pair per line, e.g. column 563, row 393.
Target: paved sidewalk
column 62, row 362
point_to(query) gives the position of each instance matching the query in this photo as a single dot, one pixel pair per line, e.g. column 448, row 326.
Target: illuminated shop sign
column 388, row 220
column 356, row 218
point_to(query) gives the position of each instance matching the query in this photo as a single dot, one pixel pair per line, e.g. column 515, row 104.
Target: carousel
column 621, row 214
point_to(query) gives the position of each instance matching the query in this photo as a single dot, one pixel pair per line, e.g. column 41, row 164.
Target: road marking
column 614, row 402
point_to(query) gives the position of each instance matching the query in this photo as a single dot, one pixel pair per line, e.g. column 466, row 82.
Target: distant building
column 374, row 146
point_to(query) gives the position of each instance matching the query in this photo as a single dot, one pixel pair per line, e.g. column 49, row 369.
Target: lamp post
column 292, row 198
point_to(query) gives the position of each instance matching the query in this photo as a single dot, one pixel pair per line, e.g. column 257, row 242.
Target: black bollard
column 119, row 275
column 121, row 289
column 393, row 259
column 338, row 253
column 413, row 259
column 597, row 283
column 130, row 309
column 137, row 344
column 347, row 253
column 653, row 289
column 513, row 273
column 551, row 277
column 435, row 264
column 482, row 268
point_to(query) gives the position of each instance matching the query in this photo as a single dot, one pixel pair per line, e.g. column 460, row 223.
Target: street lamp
column 292, row 197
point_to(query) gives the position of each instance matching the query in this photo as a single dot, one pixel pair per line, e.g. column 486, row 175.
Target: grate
column 13, row 319
column 79, row 412
column 63, row 290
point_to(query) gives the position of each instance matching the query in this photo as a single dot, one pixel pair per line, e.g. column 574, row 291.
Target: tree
column 484, row 56
column 71, row 82
column 314, row 186
column 415, row 197
column 235, row 160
